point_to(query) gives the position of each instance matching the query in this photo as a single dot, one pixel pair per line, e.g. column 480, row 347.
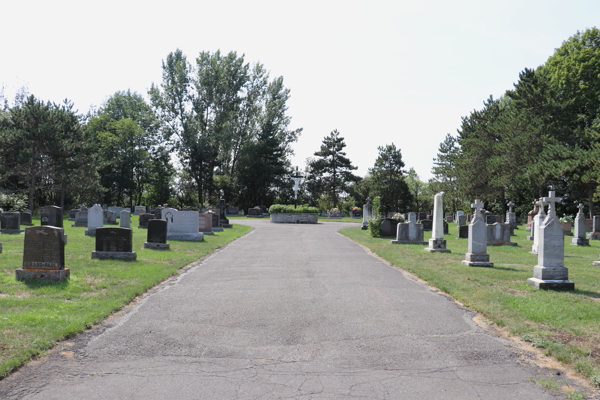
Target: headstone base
column 115, row 255
column 580, row 242
column 156, row 246
column 477, row 260
column 407, row 242
column 551, row 273
column 90, row 232
column 594, row 263
column 593, row 236
column 503, row 244
column 364, row 227
column 528, row 229
column 79, row 226
column 192, row 237
column 207, row 233
column 227, row 225
column 217, row 229
column 529, row 237
column 43, row 274
column 550, row 284
column 437, row 246
column 11, row 231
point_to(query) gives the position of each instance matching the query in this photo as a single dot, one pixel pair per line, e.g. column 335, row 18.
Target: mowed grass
column 34, row 316
column 564, row 324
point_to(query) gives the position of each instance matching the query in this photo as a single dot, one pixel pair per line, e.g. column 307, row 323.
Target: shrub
column 286, row 208
column 374, row 224
column 399, row 217
column 566, row 218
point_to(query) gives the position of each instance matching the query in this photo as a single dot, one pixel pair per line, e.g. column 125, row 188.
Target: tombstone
column 117, row 210
column 125, row 219
column 595, row 234
column 144, row 218
column 334, row 214
column 72, row 214
column 356, row 214
column 410, row 232
column 445, row 227
column 579, row 239
column 168, row 214
column 52, row 216
column 43, row 254
column 530, row 219
column 157, row 235
column 449, row 219
column 490, row 219
column 185, row 226
column 26, row 218
column 233, row 210
column 10, row 223
column 205, row 223
column 537, row 222
column 437, row 243
column 511, row 217
column 367, row 213
column 216, row 222
column 222, row 217
column 458, row 214
column 114, row 243
column 427, row 224
column 81, row 218
column 462, row 231
column 110, row 217
column 477, row 255
column 255, row 213
column 461, row 220
column 95, row 220
column 138, row 210
column 158, row 212
column 388, row 227
column 499, row 235
column 422, row 216
column 104, row 207
column 550, row 271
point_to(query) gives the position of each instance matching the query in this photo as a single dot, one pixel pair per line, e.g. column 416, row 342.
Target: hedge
column 285, row 208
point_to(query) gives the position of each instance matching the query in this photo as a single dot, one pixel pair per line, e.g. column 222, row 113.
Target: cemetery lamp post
column 296, row 177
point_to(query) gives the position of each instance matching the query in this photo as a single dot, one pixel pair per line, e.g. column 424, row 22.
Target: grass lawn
column 565, row 324
column 34, row 316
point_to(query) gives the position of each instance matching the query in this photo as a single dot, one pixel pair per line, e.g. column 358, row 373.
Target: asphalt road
column 286, row 312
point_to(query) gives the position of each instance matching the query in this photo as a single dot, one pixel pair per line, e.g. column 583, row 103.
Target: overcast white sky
column 378, row 71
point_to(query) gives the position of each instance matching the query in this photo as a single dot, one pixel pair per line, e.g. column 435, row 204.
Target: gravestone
column 356, row 214
column 185, row 226
column 531, row 223
column 114, row 243
column 144, row 218
column 10, row 223
column 125, row 219
column 511, row 217
column 255, row 213
column 499, row 235
column 537, row 223
column 168, row 214
column 490, row 219
column 117, row 210
column 437, row 243
column 367, row 213
column 388, row 227
column 461, row 220
column 26, row 218
column 410, row 232
column 81, row 218
column 462, row 231
column 595, row 234
column 139, row 210
column 550, row 271
column 216, row 222
column 222, row 217
column 458, row 214
column 579, row 239
column 157, row 235
column 110, row 217
column 449, row 219
column 334, row 214
column 233, row 210
column 427, row 224
column 446, row 228
column 205, row 223
column 95, row 220
column 43, row 254
column 72, row 214
column 52, row 216
column 477, row 255
column 158, row 212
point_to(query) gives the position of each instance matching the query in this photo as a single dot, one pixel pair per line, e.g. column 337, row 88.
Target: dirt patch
column 517, row 292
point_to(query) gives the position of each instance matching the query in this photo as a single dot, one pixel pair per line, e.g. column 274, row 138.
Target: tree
column 332, row 168
column 388, row 179
column 444, row 171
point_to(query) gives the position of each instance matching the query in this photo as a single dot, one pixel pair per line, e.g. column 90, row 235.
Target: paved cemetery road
column 286, row 312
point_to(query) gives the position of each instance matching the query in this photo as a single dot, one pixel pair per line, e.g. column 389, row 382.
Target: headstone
column 356, row 214
column 449, row 219
column 95, row 219
column 437, row 243
column 490, row 219
column 158, row 212
column 10, row 223
column 157, row 235
column 125, row 219
column 511, row 217
column 579, row 239
column 110, row 217
column 459, row 213
column 43, row 254
column 422, row 216
column 205, row 223
column 531, row 214
column 550, row 271
column 367, row 213
column 477, row 255
column 144, row 218
column 462, row 232
column 410, row 232
column 594, row 263
column 117, row 210
column 499, row 235
column 334, row 214
column 104, row 207
column 255, row 213
column 52, row 216
column 461, row 220
column 427, row 224
column 216, row 222
column 223, row 218
column 81, row 218
column 114, row 243
column 168, row 214
column 595, row 234
column 26, row 218
column 446, row 228
column 73, row 214
column 388, row 227
column 537, row 223
column 138, row 209
column 233, row 210
column 185, row 226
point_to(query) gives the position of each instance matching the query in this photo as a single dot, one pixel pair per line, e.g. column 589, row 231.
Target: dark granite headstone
column 26, row 218
column 10, row 222
column 157, row 231
column 388, row 227
column 490, row 219
column 73, row 214
column 216, row 221
column 421, row 216
column 43, row 254
column 52, row 216
column 144, row 218
column 462, row 231
column 223, row 218
column 110, row 217
column 427, row 224
column 255, row 213
column 158, row 212
column 114, row 239
column 445, row 228
column 81, row 218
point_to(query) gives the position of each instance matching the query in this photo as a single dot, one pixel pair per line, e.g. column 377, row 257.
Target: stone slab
column 217, row 229
column 227, row 225
column 156, row 246
column 580, row 242
column 550, row 273
column 11, row 231
column 90, row 232
column 593, row 236
column 407, row 242
column 437, row 246
column 549, row 284
column 477, row 264
column 115, row 255
column 192, row 237
column 43, row 274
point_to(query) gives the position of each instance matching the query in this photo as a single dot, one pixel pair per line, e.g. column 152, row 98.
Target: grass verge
column 34, row 316
column 566, row 325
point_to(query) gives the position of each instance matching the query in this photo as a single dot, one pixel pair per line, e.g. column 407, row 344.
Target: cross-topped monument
column 579, row 239
column 511, row 204
column 478, row 206
column 551, row 200
column 580, row 206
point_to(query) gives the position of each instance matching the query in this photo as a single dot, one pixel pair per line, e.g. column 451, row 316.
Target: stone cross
column 541, row 203
column 551, row 200
column 510, row 206
column 478, row 206
column 580, row 209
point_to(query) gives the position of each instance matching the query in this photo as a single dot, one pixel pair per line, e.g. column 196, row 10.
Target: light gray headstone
column 125, row 219
column 95, row 219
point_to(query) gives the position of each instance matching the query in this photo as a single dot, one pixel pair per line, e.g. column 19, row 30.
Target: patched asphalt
column 285, row 312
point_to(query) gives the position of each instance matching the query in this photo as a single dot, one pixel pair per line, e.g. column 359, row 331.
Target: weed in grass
column 576, row 395
column 549, row 383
